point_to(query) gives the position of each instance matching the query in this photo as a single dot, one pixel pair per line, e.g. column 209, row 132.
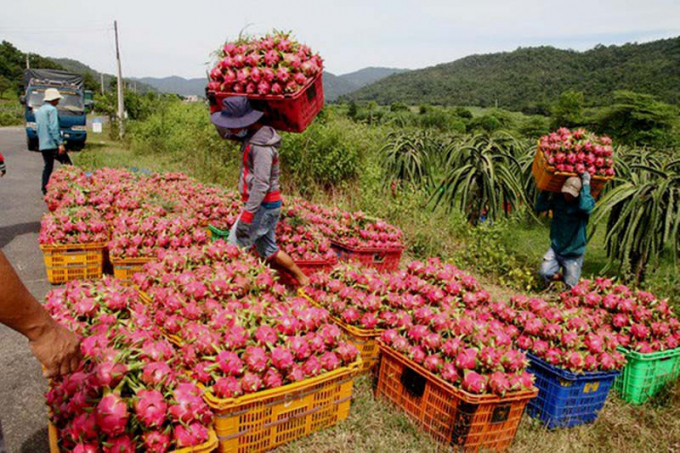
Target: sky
column 163, row 38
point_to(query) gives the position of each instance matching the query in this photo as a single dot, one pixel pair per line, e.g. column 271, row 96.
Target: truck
column 73, row 108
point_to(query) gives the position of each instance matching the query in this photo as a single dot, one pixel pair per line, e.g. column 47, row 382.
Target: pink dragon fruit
column 112, row 415
column 227, row 387
column 156, row 442
column 474, row 383
column 151, row 408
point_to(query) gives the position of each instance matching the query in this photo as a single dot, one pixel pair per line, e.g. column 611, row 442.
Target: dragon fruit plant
column 639, row 320
column 578, row 151
column 82, row 225
column 263, row 346
column 275, row 64
column 571, row 339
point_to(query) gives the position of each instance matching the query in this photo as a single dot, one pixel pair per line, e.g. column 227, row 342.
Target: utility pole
column 121, row 105
column 101, row 78
column 28, row 62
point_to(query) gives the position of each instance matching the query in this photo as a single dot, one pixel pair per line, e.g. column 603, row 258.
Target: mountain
column 177, row 85
column 335, row 86
column 538, row 75
column 95, row 76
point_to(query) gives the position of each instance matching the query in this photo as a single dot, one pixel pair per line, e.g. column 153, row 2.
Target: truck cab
column 72, row 108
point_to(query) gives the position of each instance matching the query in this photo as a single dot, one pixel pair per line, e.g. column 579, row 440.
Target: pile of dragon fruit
column 130, row 392
column 369, row 299
column 567, row 338
column 638, row 319
column 275, row 64
column 578, row 151
column 239, row 331
column 147, row 213
column 80, row 225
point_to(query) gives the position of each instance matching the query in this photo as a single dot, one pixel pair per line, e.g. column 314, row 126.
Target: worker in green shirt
column 571, row 211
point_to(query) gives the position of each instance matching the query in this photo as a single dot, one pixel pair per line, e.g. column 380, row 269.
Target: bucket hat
column 52, row 94
column 236, row 113
column 572, row 186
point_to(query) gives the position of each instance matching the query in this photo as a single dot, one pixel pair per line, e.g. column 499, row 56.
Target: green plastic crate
column 646, row 374
column 216, row 233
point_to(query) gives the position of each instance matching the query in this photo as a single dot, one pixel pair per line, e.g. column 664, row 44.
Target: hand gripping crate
column 550, row 180
column 125, row 268
column 264, row 420
column 646, row 374
column 383, row 259
column 206, row 447
column 285, row 112
column 73, row 262
column 453, row 417
column 365, row 340
column 567, row 399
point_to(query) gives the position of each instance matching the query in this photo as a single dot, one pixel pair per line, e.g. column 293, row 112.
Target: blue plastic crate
column 567, row 399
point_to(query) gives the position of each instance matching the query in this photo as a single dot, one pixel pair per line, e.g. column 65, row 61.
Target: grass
column 374, row 426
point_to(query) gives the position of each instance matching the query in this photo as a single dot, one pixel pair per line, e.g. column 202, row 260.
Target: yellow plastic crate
column 264, row 420
column 73, row 262
column 124, row 269
column 366, row 341
column 206, row 447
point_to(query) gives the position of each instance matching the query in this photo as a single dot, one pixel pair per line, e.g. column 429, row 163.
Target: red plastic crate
column 287, row 112
column 382, row 259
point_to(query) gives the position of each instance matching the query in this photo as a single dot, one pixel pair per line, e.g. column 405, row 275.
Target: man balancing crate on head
column 571, row 211
column 258, row 182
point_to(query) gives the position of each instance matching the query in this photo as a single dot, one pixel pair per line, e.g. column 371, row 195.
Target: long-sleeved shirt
column 47, row 125
column 568, row 227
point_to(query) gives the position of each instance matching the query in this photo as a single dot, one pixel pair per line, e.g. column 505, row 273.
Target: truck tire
column 32, row 145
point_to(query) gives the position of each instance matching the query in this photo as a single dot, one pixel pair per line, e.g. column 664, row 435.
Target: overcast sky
column 162, row 38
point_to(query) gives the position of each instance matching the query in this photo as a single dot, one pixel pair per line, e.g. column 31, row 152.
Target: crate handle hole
column 413, row 382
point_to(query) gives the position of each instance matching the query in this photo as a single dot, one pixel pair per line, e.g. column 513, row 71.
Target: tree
column 398, row 107
column 568, row 110
column 352, row 110
column 638, row 119
column 5, row 85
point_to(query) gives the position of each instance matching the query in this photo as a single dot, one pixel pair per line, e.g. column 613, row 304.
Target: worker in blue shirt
column 49, row 138
column 571, row 211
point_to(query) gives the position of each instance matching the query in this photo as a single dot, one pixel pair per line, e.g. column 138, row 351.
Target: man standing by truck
column 258, row 182
column 50, row 143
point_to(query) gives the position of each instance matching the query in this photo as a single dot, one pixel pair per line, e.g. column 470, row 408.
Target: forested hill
column 533, row 76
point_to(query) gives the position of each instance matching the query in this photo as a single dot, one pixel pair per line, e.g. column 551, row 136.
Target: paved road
column 22, row 406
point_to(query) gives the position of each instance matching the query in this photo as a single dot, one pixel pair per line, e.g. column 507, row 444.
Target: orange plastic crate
column 366, row 341
column 73, row 262
column 385, row 260
column 124, row 269
column 450, row 415
column 206, row 447
column 550, row 180
column 264, row 420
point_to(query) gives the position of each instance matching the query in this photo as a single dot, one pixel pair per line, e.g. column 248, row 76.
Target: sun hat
column 236, row 113
column 572, row 186
column 52, row 94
